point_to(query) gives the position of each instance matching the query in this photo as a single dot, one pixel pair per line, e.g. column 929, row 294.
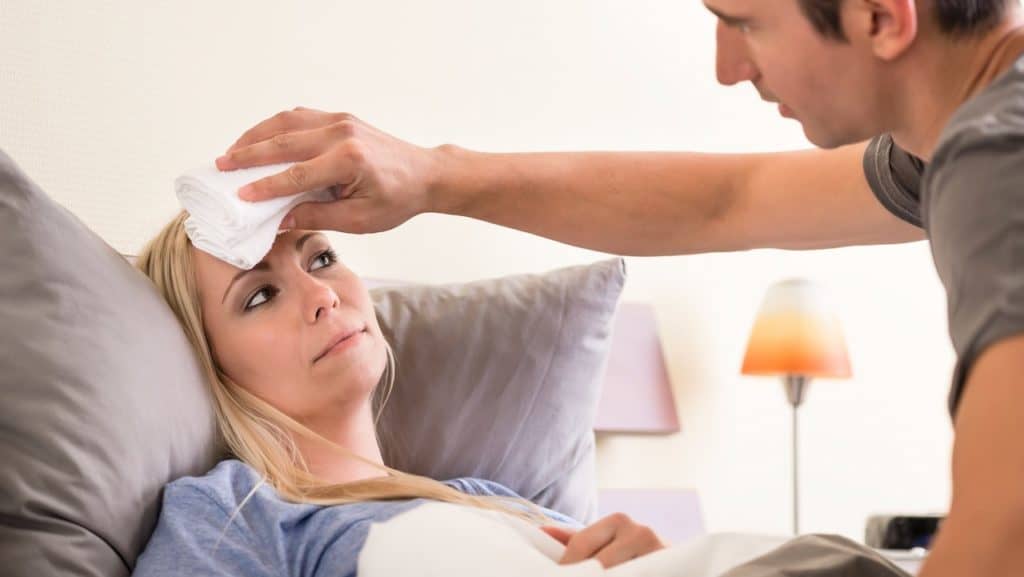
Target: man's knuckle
column 342, row 129
column 298, row 175
column 355, row 153
column 282, row 141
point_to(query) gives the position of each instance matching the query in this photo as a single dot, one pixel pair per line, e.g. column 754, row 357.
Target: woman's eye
column 263, row 295
column 323, row 260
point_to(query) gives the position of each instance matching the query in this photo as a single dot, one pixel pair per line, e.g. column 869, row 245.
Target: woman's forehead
column 212, row 272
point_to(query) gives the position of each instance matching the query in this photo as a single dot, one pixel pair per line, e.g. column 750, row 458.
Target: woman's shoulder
column 486, row 488
column 227, row 484
column 480, row 487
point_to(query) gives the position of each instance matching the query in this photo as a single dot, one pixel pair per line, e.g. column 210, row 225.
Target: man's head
column 953, row 17
column 840, row 66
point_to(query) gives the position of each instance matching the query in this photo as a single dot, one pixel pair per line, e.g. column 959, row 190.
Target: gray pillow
column 104, row 401
column 500, row 379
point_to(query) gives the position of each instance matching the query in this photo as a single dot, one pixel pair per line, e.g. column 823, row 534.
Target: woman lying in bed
column 297, row 364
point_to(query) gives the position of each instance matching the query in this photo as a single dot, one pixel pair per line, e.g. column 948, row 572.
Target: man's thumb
column 308, row 216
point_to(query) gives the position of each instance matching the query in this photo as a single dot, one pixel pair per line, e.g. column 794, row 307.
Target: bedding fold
column 445, row 540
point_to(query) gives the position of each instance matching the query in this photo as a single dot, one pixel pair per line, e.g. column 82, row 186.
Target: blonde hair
column 259, row 434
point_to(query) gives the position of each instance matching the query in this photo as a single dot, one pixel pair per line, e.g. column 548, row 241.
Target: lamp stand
column 796, row 387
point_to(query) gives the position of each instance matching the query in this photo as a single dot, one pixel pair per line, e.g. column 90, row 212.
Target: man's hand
column 612, row 540
column 380, row 180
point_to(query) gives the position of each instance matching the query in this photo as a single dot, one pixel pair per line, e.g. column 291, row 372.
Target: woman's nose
column 320, row 298
column 732, row 62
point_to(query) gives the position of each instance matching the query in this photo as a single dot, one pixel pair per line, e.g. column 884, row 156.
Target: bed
column 104, row 402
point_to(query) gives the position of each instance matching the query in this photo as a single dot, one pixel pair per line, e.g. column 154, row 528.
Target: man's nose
column 732, row 60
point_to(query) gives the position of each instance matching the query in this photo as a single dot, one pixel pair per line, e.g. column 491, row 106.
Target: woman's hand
column 380, row 181
column 612, row 540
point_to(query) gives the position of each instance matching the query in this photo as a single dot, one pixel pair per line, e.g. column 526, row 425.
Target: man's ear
column 889, row 27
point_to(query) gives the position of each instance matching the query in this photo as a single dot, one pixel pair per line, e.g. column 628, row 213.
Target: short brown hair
column 955, row 17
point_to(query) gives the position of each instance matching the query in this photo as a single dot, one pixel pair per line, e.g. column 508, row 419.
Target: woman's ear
column 889, row 27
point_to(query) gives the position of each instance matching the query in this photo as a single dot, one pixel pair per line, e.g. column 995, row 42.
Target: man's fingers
column 309, row 216
column 282, row 147
column 285, row 121
column 320, row 172
column 341, row 215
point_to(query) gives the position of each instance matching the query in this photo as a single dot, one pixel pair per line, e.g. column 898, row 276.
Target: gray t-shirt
column 970, row 201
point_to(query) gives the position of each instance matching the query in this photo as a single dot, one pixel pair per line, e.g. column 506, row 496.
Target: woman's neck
column 355, row 433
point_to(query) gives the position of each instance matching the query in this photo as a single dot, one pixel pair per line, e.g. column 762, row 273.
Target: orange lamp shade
column 796, row 333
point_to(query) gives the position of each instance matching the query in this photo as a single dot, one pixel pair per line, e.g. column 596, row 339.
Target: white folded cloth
column 236, row 231
column 445, row 540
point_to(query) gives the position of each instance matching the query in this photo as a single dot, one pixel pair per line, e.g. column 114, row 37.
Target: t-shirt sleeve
column 194, row 537
column 975, row 215
column 894, row 175
column 483, row 487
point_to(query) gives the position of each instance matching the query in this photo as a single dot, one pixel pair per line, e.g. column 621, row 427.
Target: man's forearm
column 635, row 203
column 976, row 549
column 984, row 532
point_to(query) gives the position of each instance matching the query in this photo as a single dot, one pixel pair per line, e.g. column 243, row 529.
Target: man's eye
column 261, row 296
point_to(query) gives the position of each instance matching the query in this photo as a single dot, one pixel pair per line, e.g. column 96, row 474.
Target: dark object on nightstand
column 901, row 531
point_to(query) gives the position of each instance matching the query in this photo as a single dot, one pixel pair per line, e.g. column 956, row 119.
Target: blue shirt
column 268, row 536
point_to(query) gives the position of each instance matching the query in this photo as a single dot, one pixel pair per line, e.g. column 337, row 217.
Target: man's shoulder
column 990, row 122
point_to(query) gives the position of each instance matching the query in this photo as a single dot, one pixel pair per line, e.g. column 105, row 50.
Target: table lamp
column 796, row 335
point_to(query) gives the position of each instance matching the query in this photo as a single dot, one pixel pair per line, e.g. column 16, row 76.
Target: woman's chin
column 360, row 372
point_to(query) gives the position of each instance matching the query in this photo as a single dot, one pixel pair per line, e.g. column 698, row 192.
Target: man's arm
column 638, row 203
column 674, row 203
column 984, row 531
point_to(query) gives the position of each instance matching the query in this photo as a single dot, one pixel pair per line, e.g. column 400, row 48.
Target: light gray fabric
column 500, row 380
column 819, row 556
column 103, row 402
column 970, row 200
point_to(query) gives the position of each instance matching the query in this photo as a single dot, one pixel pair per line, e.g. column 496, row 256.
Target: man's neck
column 947, row 77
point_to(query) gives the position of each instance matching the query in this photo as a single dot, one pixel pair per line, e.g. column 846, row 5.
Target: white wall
column 105, row 102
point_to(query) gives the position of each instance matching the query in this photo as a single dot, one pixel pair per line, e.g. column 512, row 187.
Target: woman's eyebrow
column 263, row 265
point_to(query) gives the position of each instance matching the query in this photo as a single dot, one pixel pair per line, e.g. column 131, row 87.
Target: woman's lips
column 342, row 343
